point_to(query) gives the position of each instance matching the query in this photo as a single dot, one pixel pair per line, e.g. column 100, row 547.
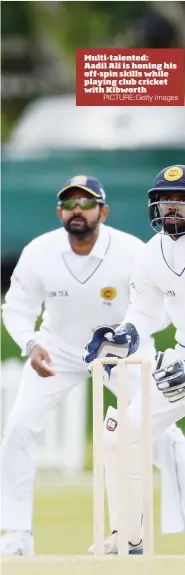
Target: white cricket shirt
column 158, row 281
column 79, row 293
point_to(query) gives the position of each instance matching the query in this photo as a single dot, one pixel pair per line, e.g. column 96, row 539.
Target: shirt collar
column 102, row 243
column 167, row 241
column 100, row 247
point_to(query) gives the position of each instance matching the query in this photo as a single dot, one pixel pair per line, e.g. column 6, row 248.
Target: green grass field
column 82, row 565
column 63, row 520
column 63, row 527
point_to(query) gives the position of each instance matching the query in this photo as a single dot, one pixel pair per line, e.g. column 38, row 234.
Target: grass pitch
column 63, row 532
column 63, row 521
column 83, row 565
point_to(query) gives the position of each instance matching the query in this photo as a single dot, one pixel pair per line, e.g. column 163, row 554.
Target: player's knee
column 13, row 445
column 17, row 430
column 110, row 428
column 13, row 430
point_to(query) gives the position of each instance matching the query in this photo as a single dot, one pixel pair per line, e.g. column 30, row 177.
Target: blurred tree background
column 39, row 40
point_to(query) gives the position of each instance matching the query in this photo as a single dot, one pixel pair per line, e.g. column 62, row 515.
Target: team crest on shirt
column 173, row 174
column 108, row 294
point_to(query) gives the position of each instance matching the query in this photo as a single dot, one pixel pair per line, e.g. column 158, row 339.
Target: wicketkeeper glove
column 107, row 342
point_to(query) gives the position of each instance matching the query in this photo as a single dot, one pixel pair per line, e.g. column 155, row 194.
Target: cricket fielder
column 74, row 272
column 158, row 284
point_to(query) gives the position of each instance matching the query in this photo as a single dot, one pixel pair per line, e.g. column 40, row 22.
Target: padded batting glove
column 170, row 377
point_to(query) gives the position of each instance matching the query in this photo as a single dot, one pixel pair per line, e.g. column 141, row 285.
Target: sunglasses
column 84, row 203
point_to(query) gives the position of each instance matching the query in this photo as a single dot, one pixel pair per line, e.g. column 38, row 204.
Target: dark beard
column 79, row 232
column 174, row 229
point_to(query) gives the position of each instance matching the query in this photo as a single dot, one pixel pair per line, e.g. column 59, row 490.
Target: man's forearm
column 20, row 328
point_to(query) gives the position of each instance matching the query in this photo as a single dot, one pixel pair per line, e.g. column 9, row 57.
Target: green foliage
column 9, row 348
column 72, row 25
column 16, row 19
column 6, row 126
column 9, row 115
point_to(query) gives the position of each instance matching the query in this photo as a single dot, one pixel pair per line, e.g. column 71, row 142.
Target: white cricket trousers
column 36, row 397
column 172, row 455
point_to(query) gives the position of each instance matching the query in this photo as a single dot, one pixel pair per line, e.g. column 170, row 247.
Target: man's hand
column 107, row 342
column 40, row 361
column 169, row 374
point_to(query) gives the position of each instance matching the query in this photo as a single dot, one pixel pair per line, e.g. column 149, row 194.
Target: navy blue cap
column 87, row 183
